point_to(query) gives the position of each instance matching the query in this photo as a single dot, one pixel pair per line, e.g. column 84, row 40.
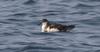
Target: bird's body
column 53, row 27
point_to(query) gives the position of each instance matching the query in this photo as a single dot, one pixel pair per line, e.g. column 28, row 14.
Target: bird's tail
column 70, row 27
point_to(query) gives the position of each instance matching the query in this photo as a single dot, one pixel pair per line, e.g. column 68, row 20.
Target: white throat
column 44, row 24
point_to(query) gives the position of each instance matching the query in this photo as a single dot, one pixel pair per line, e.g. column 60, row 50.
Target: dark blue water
column 20, row 29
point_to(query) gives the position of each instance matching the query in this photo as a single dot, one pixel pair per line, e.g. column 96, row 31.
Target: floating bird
column 53, row 27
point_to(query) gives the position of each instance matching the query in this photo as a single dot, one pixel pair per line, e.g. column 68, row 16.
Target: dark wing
column 58, row 26
column 61, row 27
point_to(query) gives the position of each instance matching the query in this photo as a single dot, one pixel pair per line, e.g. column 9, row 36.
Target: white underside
column 52, row 30
column 48, row 29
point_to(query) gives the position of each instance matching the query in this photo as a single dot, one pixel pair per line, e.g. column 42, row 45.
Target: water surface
column 20, row 29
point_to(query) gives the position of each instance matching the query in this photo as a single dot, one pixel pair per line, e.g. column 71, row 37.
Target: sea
column 20, row 25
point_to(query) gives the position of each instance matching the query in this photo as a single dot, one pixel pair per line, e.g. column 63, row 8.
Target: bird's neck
column 44, row 26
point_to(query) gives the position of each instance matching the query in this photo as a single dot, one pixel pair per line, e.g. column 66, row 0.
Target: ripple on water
column 90, row 45
column 95, row 37
column 40, row 48
column 30, row 2
column 19, row 14
column 7, row 0
column 83, row 6
column 4, row 22
column 45, row 34
column 90, row 0
column 18, row 20
column 93, row 21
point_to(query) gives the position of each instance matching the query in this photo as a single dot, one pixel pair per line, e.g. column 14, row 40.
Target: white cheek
column 43, row 27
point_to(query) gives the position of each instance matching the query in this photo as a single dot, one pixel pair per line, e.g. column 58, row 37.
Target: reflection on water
column 20, row 29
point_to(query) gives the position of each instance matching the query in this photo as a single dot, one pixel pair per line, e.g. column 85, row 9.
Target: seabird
column 53, row 27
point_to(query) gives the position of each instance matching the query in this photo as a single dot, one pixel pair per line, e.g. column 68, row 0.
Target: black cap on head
column 44, row 20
